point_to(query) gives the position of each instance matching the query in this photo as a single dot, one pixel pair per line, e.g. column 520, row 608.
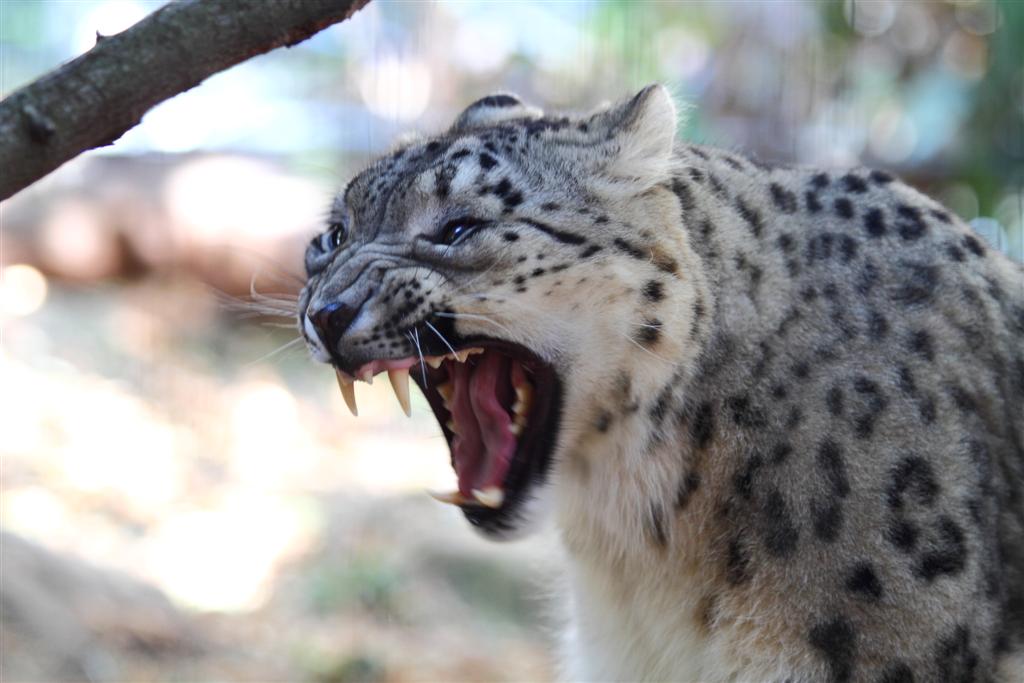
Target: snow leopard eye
column 335, row 236
column 456, row 230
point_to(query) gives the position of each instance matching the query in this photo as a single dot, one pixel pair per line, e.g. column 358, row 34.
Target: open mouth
column 499, row 407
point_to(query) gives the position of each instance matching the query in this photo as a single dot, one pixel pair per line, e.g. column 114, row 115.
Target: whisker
column 423, row 365
column 259, row 296
column 534, row 311
column 465, row 285
column 472, row 316
column 279, row 270
column 504, row 300
column 279, row 349
column 249, row 309
column 441, row 336
column 473, row 280
column 281, row 326
column 263, row 305
column 648, row 351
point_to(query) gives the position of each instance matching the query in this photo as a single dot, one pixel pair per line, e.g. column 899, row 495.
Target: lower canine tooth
column 400, row 383
column 452, row 498
column 348, row 392
column 491, row 497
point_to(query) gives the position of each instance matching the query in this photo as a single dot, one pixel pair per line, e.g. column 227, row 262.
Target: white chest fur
column 627, row 628
column 650, row 624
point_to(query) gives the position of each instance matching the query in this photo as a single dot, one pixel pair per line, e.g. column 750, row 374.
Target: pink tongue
column 484, row 447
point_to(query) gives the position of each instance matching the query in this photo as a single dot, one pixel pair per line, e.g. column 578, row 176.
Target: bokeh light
column 396, row 88
column 106, row 18
column 75, row 240
column 870, row 18
column 22, row 290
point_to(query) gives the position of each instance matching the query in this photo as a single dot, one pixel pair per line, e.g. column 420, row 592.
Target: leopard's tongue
column 484, row 444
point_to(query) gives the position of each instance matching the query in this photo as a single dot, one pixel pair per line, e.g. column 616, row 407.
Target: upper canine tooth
column 400, row 383
column 491, row 497
column 452, row 498
column 348, row 391
column 435, row 361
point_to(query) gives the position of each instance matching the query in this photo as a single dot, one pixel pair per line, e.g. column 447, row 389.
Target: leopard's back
column 861, row 395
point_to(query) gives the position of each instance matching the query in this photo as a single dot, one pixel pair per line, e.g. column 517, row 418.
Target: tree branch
column 94, row 99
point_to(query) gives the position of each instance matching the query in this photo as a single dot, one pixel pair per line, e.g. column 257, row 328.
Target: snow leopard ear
column 638, row 136
column 493, row 109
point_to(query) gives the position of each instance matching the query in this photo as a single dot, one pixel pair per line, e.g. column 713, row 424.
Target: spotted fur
column 792, row 446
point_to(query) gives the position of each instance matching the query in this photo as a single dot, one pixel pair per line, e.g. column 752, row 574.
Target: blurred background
column 183, row 495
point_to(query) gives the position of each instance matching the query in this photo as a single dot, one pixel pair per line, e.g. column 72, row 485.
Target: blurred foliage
column 356, row 669
column 934, row 90
column 365, row 582
column 992, row 156
column 499, row 592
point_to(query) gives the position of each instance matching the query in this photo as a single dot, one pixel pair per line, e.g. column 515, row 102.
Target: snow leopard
column 774, row 412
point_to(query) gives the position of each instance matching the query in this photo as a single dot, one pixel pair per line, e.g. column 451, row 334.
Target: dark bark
column 94, row 99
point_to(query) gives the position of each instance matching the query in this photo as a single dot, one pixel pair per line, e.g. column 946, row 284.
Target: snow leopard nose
column 332, row 320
